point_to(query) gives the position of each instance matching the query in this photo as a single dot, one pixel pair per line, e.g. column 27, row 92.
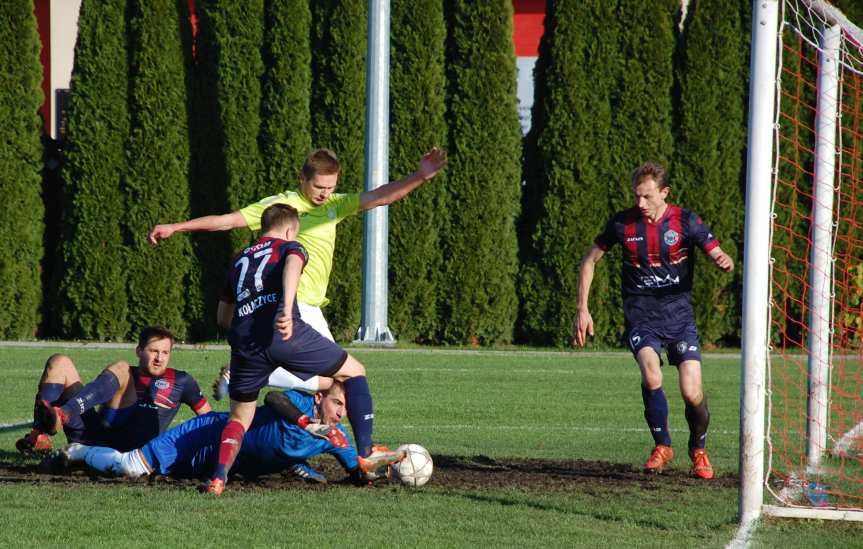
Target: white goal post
column 830, row 32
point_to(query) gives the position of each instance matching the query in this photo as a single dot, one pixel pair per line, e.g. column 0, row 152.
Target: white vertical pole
column 821, row 269
column 759, row 169
column 373, row 325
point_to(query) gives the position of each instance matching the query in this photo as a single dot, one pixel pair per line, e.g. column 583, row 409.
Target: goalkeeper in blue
column 288, row 430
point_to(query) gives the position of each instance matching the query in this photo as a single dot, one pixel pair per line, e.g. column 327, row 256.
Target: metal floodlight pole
column 759, row 170
column 373, row 325
column 821, row 272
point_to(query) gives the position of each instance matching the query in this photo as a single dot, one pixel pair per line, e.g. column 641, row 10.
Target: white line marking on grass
column 15, row 425
column 567, row 428
column 743, row 536
column 472, row 370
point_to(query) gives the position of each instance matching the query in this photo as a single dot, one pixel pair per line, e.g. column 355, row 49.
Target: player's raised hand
column 285, row 326
column 160, row 232
column 582, row 327
column 431, row 163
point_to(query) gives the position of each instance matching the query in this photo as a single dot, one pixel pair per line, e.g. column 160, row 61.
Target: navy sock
column 698, row 418
column 359, row 405
column 98, row 391
column 656, row 414
column 50, row 392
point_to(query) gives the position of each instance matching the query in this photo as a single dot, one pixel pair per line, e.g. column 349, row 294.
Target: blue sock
column 112, row 417
column 98, row 391
column 656, row 414
column 359, row 405
column 50, row 392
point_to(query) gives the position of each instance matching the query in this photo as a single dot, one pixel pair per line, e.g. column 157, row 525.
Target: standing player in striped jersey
column 266, row 332
column 659, row 241
column 321, row 210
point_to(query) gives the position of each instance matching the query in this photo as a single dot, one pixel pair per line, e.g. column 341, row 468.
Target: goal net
column 814, row 378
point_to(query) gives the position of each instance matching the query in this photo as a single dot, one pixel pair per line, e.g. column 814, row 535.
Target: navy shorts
column 680, row 341
column 306, row 354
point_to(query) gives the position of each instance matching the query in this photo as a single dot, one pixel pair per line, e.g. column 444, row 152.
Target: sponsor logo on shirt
column 332, row 213
column 161, row 384
column 634, row 238
column 654, row 281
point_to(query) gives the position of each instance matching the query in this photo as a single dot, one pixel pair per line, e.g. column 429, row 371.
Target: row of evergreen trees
column 164, row 126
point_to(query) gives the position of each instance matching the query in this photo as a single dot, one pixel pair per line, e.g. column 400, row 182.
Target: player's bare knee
column 693, row 397
column 60, row 369
column 122, row 370
column 651, row 376
column 351, row 368
column 59, row 364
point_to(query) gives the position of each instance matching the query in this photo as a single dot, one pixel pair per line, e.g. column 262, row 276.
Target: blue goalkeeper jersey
column 270, row 445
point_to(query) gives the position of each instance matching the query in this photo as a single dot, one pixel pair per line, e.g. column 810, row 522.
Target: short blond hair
column 320, row 162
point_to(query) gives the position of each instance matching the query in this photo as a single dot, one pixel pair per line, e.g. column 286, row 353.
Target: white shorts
column 283, row 379
column 314, row 317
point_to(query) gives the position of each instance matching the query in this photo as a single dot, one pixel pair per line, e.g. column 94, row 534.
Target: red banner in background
column 528, row 24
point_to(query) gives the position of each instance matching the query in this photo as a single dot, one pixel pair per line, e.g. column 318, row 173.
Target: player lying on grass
column 266, row 332
column 273, row 443
column 321, row 210
column 659, row 242
column 138, row 402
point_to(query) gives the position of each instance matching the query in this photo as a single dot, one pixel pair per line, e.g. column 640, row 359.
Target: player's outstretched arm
column 208, row 223
column 582, row 326
column 429, row 166
column 722, row 260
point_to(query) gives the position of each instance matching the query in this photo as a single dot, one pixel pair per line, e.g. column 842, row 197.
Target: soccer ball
column 416, row 468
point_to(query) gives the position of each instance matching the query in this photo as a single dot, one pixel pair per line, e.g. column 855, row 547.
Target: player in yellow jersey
column 321, row 209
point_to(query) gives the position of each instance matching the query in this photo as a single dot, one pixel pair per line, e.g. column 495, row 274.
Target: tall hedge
column 417, row 109
column 285, row 136
column 484, row 171
column 156, row 186
column 93, row 288
column 568, row 170
column 21, row 224
column 708, row 171
column 338, row 117
column 208, row 166
column 236, row 31
column 605, row 104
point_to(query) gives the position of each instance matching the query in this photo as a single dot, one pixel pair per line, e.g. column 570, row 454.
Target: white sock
column 283, row 379
column 77, row 451
column 122, row 464
column 104, row 459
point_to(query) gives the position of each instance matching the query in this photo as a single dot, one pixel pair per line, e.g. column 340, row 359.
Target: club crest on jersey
column 332, row 213
column 161, row 384
column 681, row 347
column 671, row 237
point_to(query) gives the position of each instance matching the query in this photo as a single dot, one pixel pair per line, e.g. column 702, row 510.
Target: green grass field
column 500, row 404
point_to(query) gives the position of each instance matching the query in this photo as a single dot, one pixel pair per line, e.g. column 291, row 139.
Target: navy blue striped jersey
column 254, row 285
column 657, row 257
column 159, row 400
